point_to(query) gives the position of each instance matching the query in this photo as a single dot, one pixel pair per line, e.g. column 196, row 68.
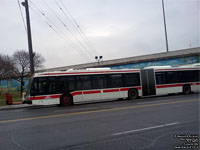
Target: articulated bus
column 89, row 85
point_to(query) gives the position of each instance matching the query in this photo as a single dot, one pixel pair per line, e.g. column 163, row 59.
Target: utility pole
column 25, row 4
column 165, row 26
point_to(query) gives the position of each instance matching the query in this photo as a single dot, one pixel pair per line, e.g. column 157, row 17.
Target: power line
column 88, row 52
column 75, row 24
column 81, row 32
column 21, row 14
column 60, row 32
column 55, row 29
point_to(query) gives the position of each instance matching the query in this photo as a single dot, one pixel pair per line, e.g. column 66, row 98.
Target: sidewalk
column 8, row 107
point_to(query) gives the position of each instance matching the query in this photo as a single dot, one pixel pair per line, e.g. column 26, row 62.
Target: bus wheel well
column 186, row 89
column 132, row 94
column 66, row 100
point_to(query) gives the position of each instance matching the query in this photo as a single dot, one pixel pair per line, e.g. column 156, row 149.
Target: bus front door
column 148, row 82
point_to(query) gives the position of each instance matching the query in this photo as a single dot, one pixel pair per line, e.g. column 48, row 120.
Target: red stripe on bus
column 37, row 98
column 44, row 97
column 171, row 85
column 76, row 93
column 55, row 96
column 124, row 89
column 110, row 90
column 91, row 92
column 175, row 85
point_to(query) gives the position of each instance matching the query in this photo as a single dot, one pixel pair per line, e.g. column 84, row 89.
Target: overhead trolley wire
column 75, row 24
column 55, row 29
column 62, row 22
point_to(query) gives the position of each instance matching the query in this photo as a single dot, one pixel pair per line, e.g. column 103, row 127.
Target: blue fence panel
column 172, row 62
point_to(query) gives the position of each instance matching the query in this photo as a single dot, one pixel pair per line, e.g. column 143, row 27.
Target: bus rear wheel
column 66, row 100
column 132, row 94
column 186, row 89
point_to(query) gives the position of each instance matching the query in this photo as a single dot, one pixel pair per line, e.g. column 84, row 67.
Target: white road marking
column 148, row 128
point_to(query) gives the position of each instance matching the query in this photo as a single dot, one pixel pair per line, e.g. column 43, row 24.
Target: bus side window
column 86, row 83
column 41, row 84
column 34, row 89
column 132, row 79
column 83, row 83
column 160, row 78
column 51, row 85
column 71, row 83
column 98, row 82
column 46, row 85
column 187, row 76
column 172, row 77
column 78, row 83
column 115, row 80
column 62, row 84
column 66, row 84
column 196, row 74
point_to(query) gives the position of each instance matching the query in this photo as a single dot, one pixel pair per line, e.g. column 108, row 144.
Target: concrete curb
column 9, row 107
column 22, row 106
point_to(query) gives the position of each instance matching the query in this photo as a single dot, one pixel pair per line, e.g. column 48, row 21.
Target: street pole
column 25, row 4
column 165, row 26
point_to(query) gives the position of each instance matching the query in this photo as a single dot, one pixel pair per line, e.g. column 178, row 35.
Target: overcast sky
column 115, row 28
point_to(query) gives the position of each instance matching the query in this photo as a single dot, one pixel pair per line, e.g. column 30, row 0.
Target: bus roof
column 85, row 72
column 196, row 65
column 158, row 67
column 89, row 71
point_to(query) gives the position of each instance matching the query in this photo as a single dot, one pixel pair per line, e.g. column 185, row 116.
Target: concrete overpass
column 178, row 57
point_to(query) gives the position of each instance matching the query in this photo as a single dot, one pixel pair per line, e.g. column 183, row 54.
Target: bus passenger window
column 160, row 78
column 62, row 84
column 172, row 77
column 41, row 86
column 71, row 83
column 98, row 82
column 51, row 85
column 83, row 83
column 34, row 88
column 115, row 80
column 132, row 79
column 86, row 83
column 46, row 86
column 196, row 75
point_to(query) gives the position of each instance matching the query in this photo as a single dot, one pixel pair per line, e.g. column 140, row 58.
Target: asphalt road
column 169, row 122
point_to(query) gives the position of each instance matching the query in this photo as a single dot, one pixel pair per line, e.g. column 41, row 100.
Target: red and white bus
column 76, row 86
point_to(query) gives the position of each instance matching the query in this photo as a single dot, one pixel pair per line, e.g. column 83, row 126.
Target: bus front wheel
column 66, row 100
column 186, row 89
column 132, row 94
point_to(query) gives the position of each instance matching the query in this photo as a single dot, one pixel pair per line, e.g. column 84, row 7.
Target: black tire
column 132, row 94
column 66, row 100
column 186, row 89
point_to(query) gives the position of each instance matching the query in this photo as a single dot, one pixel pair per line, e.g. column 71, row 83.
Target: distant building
column 173, row 58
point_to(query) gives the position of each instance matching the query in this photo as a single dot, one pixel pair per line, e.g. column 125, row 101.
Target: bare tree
column 38, row 60
column 6, row 66
column 22, row 64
